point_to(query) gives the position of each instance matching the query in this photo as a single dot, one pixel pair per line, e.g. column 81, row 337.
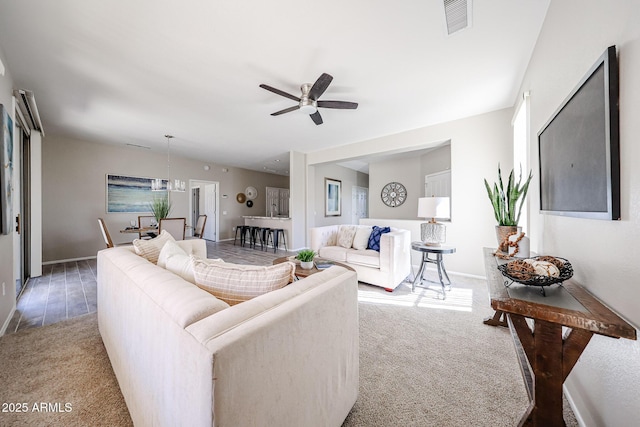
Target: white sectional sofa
column 386, row 268
column 183, row 357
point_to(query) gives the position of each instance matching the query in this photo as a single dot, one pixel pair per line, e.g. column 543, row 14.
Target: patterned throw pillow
column 150, row 249
column 234, row 283
column 374, row 238
column 346, row 233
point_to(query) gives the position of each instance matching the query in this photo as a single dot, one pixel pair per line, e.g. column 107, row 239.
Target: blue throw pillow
column 374, row 238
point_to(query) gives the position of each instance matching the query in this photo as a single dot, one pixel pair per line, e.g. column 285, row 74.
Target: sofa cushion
column 368, row 257
column 234, row 283
column 346, row 233
column 361, row 239
column 335, row 253
column 374, row 239
column 150, row 249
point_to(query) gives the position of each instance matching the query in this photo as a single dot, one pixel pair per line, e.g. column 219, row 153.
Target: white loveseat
column 181, row 357
column 386, row 268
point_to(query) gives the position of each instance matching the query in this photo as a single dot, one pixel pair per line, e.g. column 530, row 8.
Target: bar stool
column 253, row 235
column 243, row 230
column 263, row 234
column 274, row 234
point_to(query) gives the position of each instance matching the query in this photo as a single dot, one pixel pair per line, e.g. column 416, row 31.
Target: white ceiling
column 123, row 71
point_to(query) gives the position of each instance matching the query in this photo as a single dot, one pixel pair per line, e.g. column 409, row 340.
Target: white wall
column 74, row 192
column 406, row 171
column 478, row 143
column 434, row 161
column 8, row 299
column 410, row 172
column 298, row 199
column 605, row 384
column 349, row 179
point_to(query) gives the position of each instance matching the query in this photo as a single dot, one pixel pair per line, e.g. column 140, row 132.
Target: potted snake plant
column 507, row 203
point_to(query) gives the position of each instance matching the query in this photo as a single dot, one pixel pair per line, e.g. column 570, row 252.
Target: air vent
column 457, row 14
column 138, row 146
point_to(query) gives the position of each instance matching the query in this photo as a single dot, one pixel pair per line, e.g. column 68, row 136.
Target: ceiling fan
column 308, row 102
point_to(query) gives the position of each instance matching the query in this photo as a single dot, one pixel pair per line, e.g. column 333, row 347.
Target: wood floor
column 68, row 290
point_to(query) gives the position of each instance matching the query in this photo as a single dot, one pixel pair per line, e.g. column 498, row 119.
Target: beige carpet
column 424, row 362
column 63, row 375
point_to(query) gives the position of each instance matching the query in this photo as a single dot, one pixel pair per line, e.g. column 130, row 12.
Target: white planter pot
column 307, row 265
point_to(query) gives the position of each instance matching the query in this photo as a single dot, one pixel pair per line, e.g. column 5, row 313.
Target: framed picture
column 333, row 197
column 6, row 175
column 131, row 194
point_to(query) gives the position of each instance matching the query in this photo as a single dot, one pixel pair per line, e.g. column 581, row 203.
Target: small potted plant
column 305, row 257
column 505, row 203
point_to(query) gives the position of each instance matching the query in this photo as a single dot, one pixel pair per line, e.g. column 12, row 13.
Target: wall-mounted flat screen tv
column 579, row 148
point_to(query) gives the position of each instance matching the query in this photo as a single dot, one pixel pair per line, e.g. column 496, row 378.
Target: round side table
column 438, row 251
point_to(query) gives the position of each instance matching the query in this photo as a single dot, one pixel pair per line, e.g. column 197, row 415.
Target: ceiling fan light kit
column 308, row 101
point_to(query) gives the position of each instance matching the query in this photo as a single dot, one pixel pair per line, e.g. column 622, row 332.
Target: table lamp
column 433, row 233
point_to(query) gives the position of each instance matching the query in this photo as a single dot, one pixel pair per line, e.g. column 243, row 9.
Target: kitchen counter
column 267, row 217
column 269, row 222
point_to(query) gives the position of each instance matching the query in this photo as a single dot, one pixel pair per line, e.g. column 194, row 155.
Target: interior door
column 359, row 203
column 195, row 205
column 438, row 184
column 210, row 209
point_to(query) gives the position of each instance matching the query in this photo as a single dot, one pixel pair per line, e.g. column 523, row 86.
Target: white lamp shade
column 433, row 207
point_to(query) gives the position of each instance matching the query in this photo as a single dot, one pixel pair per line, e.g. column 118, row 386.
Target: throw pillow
column 182, row 266
column 361, row 239
column 374, row 238
column 234, row 283
column 346, row 233
column 150, row 249
column 169, row 249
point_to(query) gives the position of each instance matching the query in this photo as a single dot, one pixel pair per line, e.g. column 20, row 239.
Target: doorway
column 359, row 203
column 204, row 199
column 22, row 211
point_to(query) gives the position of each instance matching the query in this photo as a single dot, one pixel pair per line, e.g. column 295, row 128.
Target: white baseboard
column 7, row 321
column 574, row 407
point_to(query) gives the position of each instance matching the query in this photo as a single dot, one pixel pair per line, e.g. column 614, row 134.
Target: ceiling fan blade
column 279, row 92
column 320, row 86
column 286, row 110
column 316, row 117
column 338, row 104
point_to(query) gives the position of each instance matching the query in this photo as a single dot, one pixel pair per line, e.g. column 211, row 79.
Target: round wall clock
column 393, row 194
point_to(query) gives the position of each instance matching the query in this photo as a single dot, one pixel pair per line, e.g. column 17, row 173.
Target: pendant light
column 175, row 185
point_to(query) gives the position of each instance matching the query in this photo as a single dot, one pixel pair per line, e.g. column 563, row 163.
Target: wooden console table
column 546, row 355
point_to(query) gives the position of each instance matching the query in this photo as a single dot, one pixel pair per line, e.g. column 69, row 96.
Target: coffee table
column 301, row 273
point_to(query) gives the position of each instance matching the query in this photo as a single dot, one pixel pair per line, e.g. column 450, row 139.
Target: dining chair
column 145, row 221
column 199, row 230
column 174, row 226
column 107, row 236
column 105, row 233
